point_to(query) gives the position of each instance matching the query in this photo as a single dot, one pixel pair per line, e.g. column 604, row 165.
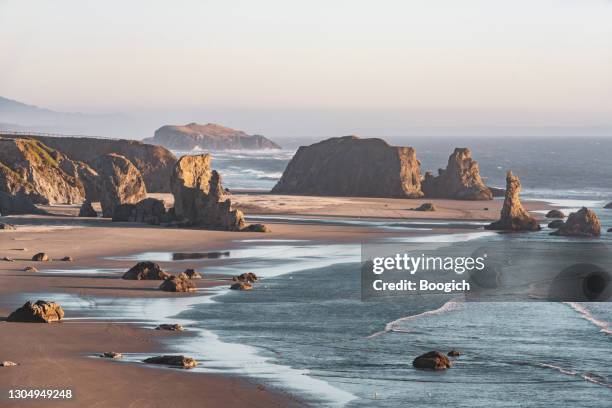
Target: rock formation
column 208, row 137
column 513, row 215
column 149, row 211
column 555, row 214
column 192, row 274
column 112, row 355
column 453, row 353
column 87, row 210
column 41, row 257
column 249, row 277
column 153, row 162
column 39, row 312
column 433, row 360
column 180, row 283
column 146, row 271
column 556, row 224
column 350, row 166
column 199, row 197
column 608, row 206
column 30, row 269
column 170, row 327
column 19, row 203
column 173, row 361
column 583, row 223
column 120, row 182
column 38, row 173
column 460, row 180
column 425, row 207
column 256, row 228
column 241, row 286
column 7, row 227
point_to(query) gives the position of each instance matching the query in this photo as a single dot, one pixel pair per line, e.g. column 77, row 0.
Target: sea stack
column 350, row 166
column 459, row 181
column 199, row 197
column 513, row 215
column 583, row 223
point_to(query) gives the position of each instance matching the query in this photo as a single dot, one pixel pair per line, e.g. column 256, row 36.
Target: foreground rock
column 112, row 355
column 208, row 137
column 173, row 361
column 41, row 257
column 7, row 227
column 153, row 162
column 350, row 166
column 87, row 210
column 556, row 224
column 246, row 277
column 120, row 182
column 513, row 215
column 555, row 214
column 179, row 283
column 583, row 223
column 39, row 312
column 434, row 360
column 241, row 286
column 146, row 271
column 425, row 207
column 7, row 364
column 257, row 228
column 459, row 181
column 170, row 327
column 199, row 197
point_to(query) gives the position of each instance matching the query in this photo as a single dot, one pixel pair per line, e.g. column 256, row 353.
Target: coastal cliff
column 350, row 166
column 208, row 137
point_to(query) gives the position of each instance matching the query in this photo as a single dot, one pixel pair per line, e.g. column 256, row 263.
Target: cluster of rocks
column 244, row 281
column 172, row 361
column 146, row 270
column 40, row 312
column 350, row 166
column 583, row 223
column 435, row 360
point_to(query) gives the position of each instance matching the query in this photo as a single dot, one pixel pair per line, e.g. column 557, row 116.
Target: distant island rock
column 208, row 137
column 460, row 180
column 350, row 166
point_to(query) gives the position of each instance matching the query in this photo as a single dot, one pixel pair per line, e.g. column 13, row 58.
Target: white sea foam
column 586, row 313
column 590, row 377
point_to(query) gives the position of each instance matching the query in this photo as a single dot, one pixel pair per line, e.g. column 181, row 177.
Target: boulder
column 556, row 224
column 146, row 271
column 39, row 312
column 123, row 212
column 120, row 182
column 350, row 166
column 460, row 180
column 41, row 257
column 7, row 227
column 112, row 355
column 241, row 286
column 208, row 137
column 180, row 283
column 149, row 211
column 7, row 364
column 87, row 210
column 257, row 228
column 192, row 274
column 433, row 360
column 609, row 229
column 583, row 223
column 199, row 197
column 425, row 207
column 30, row 269
column 173, row 361
column 170, row 327
column 245, row 277
column 68, row 259
column 453, row 353
column 8, row 259
column 513, row 215
column 608, row 206
column 555, row 214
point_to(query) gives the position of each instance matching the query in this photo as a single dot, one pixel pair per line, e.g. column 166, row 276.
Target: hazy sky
column 423, row 63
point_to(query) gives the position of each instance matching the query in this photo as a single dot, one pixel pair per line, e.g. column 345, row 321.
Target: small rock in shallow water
column 556, row 224
column 173, row 361
column 425, row 207
column 241, row 286
column 454, row 353
column 434, row 360
column 112, row 354
column 170, row 327
column 7, row 364
column 256, row 228
column 30, row 269
column 245, row 277
column 555, row 214
column 41, row 257
column 68, row 259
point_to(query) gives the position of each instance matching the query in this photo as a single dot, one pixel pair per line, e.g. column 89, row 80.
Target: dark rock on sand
column 112, row 354
column 39, row 312
column 8, row 259
column 453, row 353
column 170, row 327
column 256, row 228
column 555, row 214
column 30, row 269
column 192, row 274
column 7, row 227
column 173, row 361
column 425, row 207
column 513, row 215
column 583, row 223
column 68, row 259
column 460, row 180
column 87, row 210
column 149, row 211
column 123, row 212
column 199, row 197
column 120, row 182
column 350, row 166
column 146, row 271
column 241, row 286
column 556, row 224
column 434, row 360
column 208, row 137
column 7, row 364
column 41, row 257
column 180, row 283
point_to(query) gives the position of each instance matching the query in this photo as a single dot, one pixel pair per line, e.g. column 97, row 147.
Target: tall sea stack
column 513, row 215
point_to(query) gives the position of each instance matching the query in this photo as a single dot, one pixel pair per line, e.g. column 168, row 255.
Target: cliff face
column 153, row 162
column 460, row 180
column 208, row 137
column 350, row 166
column 39, row 173
column 513, row 215
column 199, row 197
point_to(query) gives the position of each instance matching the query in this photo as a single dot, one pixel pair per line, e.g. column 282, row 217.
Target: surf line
column 586, row 313
column 451, row 305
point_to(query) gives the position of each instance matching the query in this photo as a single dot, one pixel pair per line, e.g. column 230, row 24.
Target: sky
column 290, row 68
